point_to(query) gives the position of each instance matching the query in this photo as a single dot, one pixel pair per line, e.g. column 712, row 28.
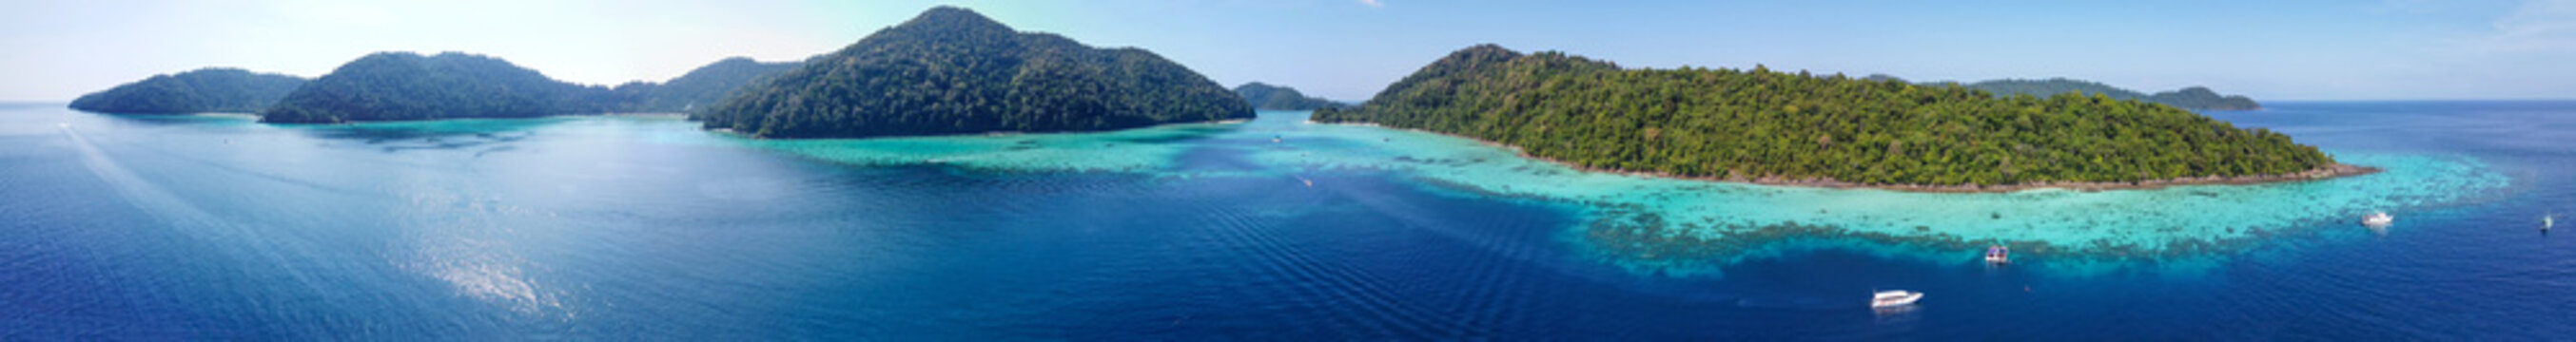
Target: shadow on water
column 160, row 120
column 1183, row 134
column 434, row 135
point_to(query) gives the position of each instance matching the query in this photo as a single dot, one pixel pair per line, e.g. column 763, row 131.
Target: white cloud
column 2538, row 25
column 1373, row 3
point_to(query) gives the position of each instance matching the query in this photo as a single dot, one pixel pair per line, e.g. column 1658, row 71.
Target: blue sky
column 1349, row 49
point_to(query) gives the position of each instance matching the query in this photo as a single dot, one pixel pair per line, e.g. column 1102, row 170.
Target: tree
column 1760, row 123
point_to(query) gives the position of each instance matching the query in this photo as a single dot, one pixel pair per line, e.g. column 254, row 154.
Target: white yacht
column 2378, row 219
column 1891, row 298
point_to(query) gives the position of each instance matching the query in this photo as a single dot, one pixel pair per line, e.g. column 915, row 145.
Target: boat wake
column 159, row 203
column 176, row 212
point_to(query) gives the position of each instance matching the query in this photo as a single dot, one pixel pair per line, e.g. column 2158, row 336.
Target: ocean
column 215, row 227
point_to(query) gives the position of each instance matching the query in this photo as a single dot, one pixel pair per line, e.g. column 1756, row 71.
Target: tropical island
column 208, row 90
column 1780, row 128
column 409, row 86
column 952, row 71
column 700, row 87
column 389, row 86
column 2192, row 98
column 947, row 71
column 1271, row 97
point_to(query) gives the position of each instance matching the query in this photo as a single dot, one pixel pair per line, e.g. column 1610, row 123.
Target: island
column 409, row 86
column 699, row 88
column 1270, row 97
column 208, row 90
column 2201, row 98
column 953, row 71
column 2192, row 98
column 1774, row 127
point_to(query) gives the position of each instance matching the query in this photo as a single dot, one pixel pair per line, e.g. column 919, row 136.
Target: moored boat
column 2378, row 218
column 1891, row 298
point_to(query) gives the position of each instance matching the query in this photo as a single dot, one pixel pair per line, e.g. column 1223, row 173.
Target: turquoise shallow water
column 1685, row 225
column 215, row 227
column 1671, row 225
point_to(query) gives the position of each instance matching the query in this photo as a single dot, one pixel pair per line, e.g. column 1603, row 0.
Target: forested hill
column 196, row 91
column 408, row 86
column 2193, row 98
column 952, row 71
column 2196, row 98
column 699, row 88
column 2203, row 98
column 1271, row 97
column 1754, row 124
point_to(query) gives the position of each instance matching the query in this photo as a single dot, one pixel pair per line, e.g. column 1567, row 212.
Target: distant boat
column 1998, row 255
column 2547, row 220
column 2377, row 218
column 1892, row 298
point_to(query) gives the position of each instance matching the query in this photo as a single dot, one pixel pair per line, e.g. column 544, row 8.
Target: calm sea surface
column 214, row 227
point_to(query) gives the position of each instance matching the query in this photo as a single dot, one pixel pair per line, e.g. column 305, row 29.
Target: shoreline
column 730, row 131
column 2338, row 170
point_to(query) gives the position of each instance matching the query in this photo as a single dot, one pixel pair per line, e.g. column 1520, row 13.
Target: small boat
column 2547, row 221
column 1892, row 298
column 2378, row 219
column 1998, row 255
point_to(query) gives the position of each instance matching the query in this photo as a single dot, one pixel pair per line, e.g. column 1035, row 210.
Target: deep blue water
column 213, row 227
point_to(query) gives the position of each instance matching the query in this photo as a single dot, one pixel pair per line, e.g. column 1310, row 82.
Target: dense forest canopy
column 699, row 88
column 1272, row 97
column 206, row 90
column 2198, row 98
column 1759, row 123
column 408, row 86
column 2193, row 98
column 952, row 71
column 2203, row 98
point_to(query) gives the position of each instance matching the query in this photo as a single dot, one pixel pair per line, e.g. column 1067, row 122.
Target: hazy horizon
column 1347, row 50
